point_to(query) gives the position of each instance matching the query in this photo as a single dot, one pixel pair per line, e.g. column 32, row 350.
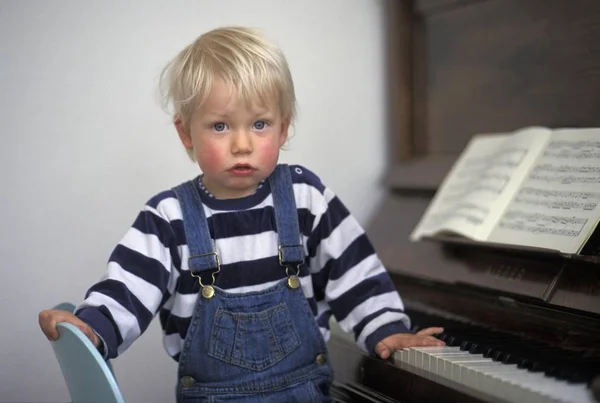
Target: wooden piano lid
column 462, row 67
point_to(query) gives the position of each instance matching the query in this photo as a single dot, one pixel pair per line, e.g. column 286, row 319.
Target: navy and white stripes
column 147, row 272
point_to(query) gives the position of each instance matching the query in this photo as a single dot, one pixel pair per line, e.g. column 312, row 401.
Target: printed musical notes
column 533, row 187
column 556, row 206
column 557, row 199
column 567, row 179
column 481, row 181
column 537, row 223
column 541, row 169
column 573, row 149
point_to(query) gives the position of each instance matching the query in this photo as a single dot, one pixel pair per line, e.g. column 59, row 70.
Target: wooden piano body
column 458, row 68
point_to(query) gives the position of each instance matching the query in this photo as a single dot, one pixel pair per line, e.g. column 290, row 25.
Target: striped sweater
column 147, row 273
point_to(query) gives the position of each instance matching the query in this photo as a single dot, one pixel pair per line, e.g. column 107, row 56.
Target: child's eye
column 260, row 124
column 219, row 127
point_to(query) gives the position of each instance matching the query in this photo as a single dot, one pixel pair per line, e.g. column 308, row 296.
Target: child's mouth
column 241, row 170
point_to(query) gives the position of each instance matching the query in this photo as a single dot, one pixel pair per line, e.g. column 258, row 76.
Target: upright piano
column 521, row 325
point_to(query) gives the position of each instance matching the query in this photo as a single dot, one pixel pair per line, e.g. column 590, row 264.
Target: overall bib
column 262, row 346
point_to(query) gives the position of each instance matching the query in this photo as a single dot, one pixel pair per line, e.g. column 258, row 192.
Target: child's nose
column 242, row 142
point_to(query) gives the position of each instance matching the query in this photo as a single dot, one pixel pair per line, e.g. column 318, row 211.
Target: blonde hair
column 243, row 58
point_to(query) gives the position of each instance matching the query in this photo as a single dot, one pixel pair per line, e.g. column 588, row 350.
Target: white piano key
column 450, row 366
column 518, row 380
column 418, row 358
column 459, row 369
column 514, row 382
column 437, row 350
column 412, row 357
column 468, row 358
column 470, row 377
column 401, row 358
column 474, row 372
column 404, row 354
column 494, row 385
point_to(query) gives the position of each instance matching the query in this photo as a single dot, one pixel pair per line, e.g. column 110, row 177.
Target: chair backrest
column 65, row 306
column 88, row 377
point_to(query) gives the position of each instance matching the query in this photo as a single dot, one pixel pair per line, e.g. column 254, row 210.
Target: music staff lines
column 585, row 169
column 507, row 157
column 566, row 179
column 570, row 144
column 468, row 211
column 477, row 183
column 537, row 223
column 568, row 149
column 557, row 199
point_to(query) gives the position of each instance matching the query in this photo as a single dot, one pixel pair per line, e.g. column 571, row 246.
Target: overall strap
column 202, row 253
column 291, row 249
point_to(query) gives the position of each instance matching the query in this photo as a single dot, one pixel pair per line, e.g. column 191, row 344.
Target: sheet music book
column 534, row 187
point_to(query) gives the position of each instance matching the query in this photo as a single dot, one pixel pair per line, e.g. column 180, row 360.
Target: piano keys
column 496, row 380
column 501, row 366
column 476, row 365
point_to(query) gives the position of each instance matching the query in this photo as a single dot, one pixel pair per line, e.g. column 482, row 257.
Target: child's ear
column 184, row 135
column 285, row 126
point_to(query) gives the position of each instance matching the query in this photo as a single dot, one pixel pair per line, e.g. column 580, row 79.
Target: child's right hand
column 50, row 317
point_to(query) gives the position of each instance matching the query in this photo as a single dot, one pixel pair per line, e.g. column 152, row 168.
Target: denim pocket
column 253, row 340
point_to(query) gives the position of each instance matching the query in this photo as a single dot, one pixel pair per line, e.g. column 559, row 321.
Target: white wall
column 83, row 144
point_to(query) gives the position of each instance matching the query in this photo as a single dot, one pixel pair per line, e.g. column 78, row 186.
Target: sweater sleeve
column 349, row 276
column 137, row 282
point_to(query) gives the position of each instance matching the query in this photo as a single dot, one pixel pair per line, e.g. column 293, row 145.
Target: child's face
column 236, row 145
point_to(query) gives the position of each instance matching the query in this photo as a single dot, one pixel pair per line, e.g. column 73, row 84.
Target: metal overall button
column 208, row 291
column 188, row 381
column 321, row 359
column 293, row 280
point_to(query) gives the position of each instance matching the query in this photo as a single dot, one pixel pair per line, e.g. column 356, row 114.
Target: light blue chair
column 88, row 376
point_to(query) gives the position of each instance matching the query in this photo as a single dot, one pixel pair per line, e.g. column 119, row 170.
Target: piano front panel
column 579, row 289
column 498, row 65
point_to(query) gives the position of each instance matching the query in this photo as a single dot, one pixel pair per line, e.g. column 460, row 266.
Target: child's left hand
column 423, row 338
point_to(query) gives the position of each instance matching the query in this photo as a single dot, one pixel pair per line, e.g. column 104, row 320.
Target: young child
column 245, row 263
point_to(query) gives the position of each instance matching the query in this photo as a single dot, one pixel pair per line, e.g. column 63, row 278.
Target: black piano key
column 517, row 353
column 534, row 360
column 442, row 336
column 508, row 348
column 564, row 365
column 594, row 386
column 584, row 370
column 549, row 360
column 490, row 346
column 500, row 348
column 453, row 341
column 466, row 336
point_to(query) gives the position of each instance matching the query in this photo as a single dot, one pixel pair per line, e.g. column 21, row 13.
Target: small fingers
column 48, row 319
column 398, row 342
column 90, row 334
column 382, row 350
column 430, row 331
column 422, row 341
column 431, row 341
column 47, row 322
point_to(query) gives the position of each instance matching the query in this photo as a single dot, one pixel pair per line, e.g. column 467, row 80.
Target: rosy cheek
column 210, row 158
column 268, row 153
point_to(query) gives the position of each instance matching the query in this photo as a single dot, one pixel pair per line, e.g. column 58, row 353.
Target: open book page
column 481, row 183
column 557, row 206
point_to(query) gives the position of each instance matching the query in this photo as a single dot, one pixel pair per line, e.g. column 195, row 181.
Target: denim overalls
column 262, row 346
